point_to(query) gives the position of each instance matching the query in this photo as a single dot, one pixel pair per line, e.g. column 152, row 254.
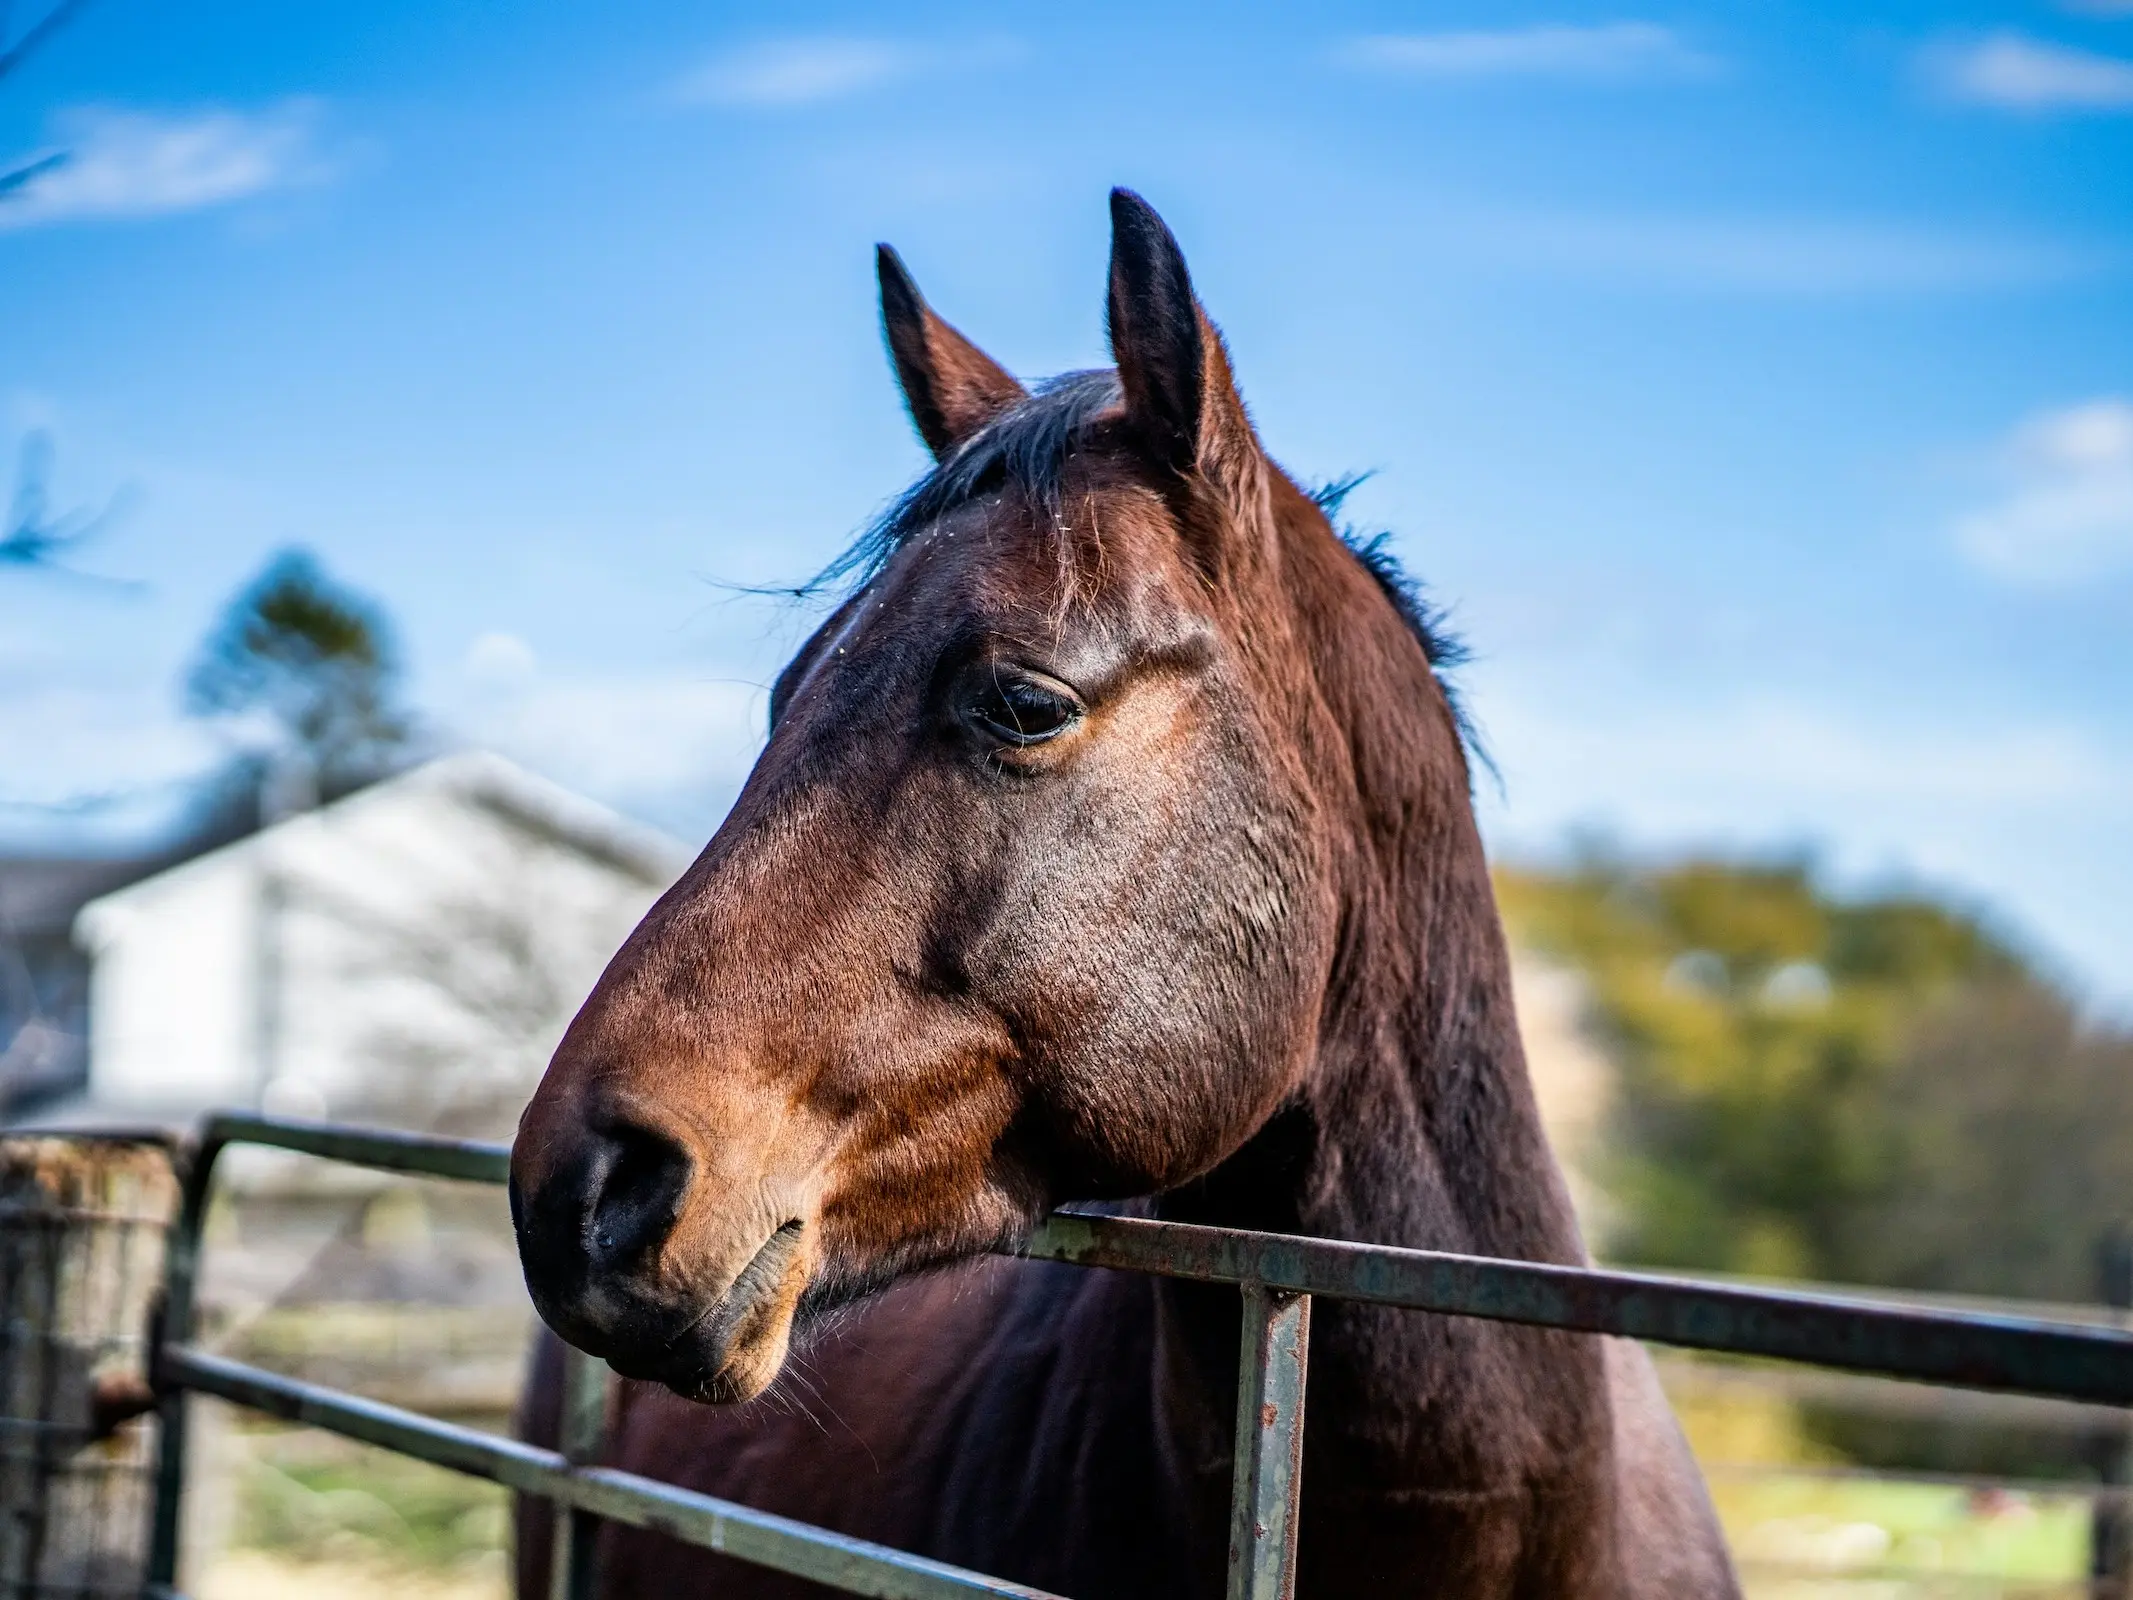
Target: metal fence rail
column 1277, row 1275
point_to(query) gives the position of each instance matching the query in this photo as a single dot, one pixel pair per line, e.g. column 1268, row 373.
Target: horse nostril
column 640, row 1196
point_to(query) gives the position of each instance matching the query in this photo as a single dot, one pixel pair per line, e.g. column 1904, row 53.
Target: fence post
column 173, row 1324
column 1272, row 1357
column 82, row 1223
column 2111, row 1515
column 572, row 1573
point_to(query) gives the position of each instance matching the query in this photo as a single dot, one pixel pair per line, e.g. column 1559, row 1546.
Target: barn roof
column 471, row 777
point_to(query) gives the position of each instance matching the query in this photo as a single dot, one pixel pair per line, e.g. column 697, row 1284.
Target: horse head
column 1035, row 893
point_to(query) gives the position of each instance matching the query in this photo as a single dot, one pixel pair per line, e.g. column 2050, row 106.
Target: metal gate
column 1277, row 1275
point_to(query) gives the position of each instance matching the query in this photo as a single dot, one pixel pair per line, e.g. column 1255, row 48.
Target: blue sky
column 1755, row 384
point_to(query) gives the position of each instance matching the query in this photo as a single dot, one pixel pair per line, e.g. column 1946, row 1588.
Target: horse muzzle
column 628, row 1257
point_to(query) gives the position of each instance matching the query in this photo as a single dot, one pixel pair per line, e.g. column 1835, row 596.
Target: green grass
column 1905, row 1535
column 1797, row 1536
column 314, row 1498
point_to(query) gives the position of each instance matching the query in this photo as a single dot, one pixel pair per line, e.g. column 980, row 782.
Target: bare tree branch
column 33, row 536
column 470, row 989
column 29, row 172
column 37, row 35
column 12, row 56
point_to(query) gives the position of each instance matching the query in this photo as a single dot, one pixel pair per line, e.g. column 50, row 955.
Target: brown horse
column 1113, row 840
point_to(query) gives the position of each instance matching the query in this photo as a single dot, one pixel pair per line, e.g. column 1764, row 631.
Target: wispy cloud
column 778, row 73
column 1685, row 766
column 114, row 760
column 2015, row 73
column 2065, row 508
column 2021, row 809
column 118, row 163
column 1607, row 52
column 1803, row 255
column 670, row 747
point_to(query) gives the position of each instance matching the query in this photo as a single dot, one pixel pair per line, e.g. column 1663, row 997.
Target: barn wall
column 172, row 1017
column 407, row 956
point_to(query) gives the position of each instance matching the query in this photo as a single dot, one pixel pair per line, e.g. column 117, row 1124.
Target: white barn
column 408, row 956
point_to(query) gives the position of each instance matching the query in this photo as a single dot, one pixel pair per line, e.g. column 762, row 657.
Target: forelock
column 1026, row 448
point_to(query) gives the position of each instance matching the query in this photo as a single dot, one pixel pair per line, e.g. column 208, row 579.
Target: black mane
column 1428, row 622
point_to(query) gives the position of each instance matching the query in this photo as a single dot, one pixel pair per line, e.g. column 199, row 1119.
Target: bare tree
column 471, row 988
column 501, row 988
column 36, row 536
column 14, row 51
column 33, row 536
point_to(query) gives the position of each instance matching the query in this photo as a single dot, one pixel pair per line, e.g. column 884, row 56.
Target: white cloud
column 500, row 661
column 2016, row 73
column 114, row 760
column 672, row 749
column 779, row 73
column 784, row 74
column 1608, row 52
column 137, row 163
column 2065, row 512
column 1765, row 766
column 2025, row 812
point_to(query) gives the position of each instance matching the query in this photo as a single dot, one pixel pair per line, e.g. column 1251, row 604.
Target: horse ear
column 1171, row 362
column 952, row 387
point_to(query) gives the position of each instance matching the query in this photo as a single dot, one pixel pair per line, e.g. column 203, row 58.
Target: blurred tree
column 2016, row 1148
column 1877, row 1090
column 317, row 660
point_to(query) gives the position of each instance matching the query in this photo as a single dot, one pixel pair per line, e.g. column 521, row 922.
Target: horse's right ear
column 952, row 387
column 1171, row 361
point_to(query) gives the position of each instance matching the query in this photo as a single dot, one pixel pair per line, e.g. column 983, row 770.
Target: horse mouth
column 735, row 1347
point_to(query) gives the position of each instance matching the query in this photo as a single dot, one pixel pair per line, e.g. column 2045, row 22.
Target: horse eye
column 1020, row 711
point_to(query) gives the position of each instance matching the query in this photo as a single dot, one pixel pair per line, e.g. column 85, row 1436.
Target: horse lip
column 696, row 1353
column 750, row 1279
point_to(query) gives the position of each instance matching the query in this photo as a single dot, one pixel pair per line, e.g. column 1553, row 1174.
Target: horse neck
column 1416, row 1124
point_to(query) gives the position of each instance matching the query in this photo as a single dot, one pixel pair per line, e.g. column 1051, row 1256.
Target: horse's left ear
column 1172, row 364
column 952, row 387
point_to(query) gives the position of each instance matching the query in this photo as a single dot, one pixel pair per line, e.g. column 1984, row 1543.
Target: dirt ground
column 260, row 1575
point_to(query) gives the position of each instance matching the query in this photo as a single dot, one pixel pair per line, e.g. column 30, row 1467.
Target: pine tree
column 317, row 660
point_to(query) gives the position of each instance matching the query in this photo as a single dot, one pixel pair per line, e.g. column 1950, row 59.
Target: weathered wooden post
column 2110, row 1525
column 82, row 1231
